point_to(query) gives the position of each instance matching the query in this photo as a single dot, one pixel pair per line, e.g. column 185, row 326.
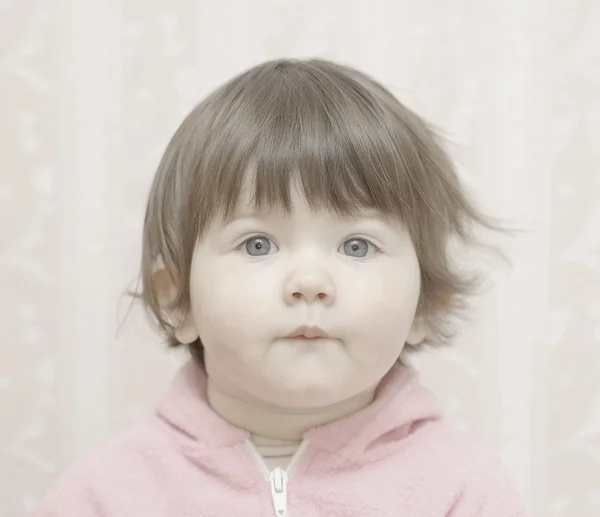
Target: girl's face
column 302, row 310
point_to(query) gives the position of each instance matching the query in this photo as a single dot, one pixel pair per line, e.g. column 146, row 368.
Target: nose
column 309, row 285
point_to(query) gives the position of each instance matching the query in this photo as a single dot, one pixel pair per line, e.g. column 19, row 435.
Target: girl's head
column 303, row 193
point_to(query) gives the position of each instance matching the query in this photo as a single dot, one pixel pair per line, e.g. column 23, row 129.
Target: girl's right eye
column 258, row 246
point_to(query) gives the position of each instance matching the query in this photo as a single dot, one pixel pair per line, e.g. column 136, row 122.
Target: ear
column 165, row 289
column 186, row 332
column 416, row 334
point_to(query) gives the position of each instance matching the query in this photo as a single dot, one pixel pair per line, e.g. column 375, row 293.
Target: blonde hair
column 345, row 139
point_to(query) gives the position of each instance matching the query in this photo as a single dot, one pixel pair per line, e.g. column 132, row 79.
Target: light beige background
column 90, row 91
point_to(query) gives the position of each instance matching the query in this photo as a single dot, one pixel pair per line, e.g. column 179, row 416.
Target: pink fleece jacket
column 396, row 457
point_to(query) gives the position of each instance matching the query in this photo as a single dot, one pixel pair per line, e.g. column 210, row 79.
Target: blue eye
column 258, row 246
column 358, row 248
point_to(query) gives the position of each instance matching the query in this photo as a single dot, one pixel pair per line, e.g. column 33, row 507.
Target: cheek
column 385, row 301
column 381, row 316
column 228, row 302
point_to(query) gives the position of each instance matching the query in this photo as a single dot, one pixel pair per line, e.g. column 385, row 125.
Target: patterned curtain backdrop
column 91, row 91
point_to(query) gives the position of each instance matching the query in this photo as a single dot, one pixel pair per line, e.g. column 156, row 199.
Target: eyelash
column 368, row 241
column 242, row 244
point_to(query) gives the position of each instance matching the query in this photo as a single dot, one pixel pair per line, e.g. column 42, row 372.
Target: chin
column 307, row 402
column 308, row 392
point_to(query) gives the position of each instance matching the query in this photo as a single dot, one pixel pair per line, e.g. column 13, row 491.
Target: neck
column 272, row 423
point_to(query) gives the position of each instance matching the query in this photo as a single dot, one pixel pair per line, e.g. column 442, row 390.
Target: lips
column 308, row 332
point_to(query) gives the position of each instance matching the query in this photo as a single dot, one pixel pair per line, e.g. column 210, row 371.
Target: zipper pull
column 278, row 480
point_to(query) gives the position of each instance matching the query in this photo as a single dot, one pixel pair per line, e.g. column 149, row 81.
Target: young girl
column 296, row 241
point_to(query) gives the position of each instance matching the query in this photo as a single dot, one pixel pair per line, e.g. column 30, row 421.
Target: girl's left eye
column 258, row 246
column 357, row 248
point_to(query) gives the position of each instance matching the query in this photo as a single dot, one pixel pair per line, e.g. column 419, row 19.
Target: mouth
column 306, row 332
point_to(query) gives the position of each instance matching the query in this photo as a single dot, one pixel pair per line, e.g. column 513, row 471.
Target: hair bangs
column 328, row 137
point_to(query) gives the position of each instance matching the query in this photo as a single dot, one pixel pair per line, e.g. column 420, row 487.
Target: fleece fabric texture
column 395, row 457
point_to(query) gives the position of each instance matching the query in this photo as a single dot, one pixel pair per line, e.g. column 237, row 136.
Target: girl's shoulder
column 127, row 461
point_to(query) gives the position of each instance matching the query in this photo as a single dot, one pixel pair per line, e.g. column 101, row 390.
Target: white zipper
column 278, row 478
